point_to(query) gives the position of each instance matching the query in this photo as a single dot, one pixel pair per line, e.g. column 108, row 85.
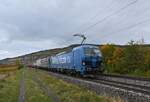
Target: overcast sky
column 32, row 25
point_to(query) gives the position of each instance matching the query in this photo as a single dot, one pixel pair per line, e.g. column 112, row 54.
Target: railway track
column 135, row 84
column 140, row 85
column 125, row 79
column 130, row 87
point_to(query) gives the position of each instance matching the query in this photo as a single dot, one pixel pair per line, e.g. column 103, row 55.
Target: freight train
column 84, row 59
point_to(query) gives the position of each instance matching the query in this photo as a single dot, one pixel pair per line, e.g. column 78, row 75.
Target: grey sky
column 32, row 25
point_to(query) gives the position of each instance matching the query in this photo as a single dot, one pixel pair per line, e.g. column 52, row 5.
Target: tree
column 133, row 58
column 107, row 52
column 116, row 60
column 19, row 64
column 147, row 60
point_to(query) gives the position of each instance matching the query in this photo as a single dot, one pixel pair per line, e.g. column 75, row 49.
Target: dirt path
column 3, row 76
column 22, row 88
column 47, row 90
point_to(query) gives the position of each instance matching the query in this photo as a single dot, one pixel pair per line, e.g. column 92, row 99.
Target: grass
column 33, row 91
column 6, row 65
column 70, row 92
column 2, row 70
column 8, row 68
column 9, row 88
column 140, row 74
column 136, row 73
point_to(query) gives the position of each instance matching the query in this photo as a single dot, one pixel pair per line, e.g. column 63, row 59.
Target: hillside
column 30, row 58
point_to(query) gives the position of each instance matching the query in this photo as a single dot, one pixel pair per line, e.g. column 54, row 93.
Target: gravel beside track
column 145, row 82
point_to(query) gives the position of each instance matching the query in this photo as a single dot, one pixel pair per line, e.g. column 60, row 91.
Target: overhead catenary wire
column 105, row 18
column 112, row 14
column 128, row 27
column 96, row 15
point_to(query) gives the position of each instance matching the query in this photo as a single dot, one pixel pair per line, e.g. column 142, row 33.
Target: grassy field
column 33, row 91
column 10, row 88
column 7, row 68
column 70, row 92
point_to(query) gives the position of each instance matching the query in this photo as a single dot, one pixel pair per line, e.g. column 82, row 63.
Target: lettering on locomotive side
column 62, row 59
column 65, row 59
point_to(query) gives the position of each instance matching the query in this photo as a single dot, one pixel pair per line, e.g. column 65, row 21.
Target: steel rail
column 129, row 87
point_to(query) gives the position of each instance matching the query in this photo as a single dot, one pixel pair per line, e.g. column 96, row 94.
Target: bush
column 133, row 59
column 19, row 64
column 107, row 51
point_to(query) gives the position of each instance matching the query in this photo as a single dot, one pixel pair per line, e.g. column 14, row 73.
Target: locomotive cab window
column 92, row 51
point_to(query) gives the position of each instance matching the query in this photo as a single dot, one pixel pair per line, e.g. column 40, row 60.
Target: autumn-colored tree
column 116, row 60
column 107, row 52
column 132, row 59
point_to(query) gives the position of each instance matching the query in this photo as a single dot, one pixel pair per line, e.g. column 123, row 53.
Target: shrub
column 133, row 59
column 19, row 64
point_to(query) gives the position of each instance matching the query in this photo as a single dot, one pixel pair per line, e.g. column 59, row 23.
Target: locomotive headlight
column 83, row 63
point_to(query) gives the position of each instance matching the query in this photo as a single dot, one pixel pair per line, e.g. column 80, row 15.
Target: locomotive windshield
column 92, row 51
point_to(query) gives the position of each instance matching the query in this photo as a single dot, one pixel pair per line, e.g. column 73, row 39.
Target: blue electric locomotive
column 83, row 59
